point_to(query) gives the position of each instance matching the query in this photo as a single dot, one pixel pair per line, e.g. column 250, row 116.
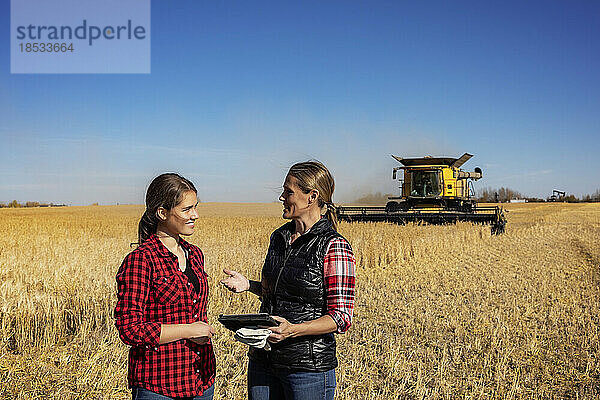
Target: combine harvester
column 435, row 191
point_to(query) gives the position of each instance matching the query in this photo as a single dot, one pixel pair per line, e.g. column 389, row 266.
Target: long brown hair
column 313, row 175
column 165, row 191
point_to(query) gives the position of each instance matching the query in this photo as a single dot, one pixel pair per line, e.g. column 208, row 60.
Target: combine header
column 435, row 191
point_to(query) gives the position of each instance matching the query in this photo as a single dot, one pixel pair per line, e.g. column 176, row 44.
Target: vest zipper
column 289, row 252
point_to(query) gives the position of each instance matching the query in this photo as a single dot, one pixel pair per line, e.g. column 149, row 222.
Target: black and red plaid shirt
column 339, row 266
column 153, row 291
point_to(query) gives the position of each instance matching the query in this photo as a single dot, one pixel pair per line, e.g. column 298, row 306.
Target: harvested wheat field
column 441, row 312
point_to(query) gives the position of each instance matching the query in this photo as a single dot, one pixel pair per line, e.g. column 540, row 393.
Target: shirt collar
column 155, row 243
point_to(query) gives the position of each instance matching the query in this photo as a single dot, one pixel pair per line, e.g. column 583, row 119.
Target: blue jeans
column 268, row 384
column 138, row 393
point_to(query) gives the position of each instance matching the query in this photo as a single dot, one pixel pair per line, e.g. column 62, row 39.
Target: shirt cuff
column 340, row 321
column 152, row 333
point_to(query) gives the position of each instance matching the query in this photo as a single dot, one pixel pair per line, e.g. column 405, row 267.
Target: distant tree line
column 504, row 195
column 592, row 197
column 16, row 204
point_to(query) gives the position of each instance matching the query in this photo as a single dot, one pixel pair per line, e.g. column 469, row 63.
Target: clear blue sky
column 241, row 90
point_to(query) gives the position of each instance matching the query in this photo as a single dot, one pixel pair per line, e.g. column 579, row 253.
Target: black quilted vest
column 293, row 288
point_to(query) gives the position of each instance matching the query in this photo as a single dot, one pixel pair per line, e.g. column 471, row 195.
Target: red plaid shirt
column 339, row 267
column 153, row 291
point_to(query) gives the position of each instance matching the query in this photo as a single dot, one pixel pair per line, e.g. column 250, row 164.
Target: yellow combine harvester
column 434, row 190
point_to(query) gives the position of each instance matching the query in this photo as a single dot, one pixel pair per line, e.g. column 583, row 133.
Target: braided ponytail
column 331, row 215
column 147, row 226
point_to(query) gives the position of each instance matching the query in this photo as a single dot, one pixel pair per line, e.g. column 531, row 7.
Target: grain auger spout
column 433, row 190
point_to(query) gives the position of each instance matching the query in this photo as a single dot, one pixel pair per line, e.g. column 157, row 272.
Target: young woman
column 308, row 286
column 162, row 299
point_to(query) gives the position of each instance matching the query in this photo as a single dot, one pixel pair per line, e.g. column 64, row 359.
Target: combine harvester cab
column 433, row 190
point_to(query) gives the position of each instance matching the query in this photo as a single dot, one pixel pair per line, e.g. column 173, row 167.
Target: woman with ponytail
column 307, row 285
column 162, row 299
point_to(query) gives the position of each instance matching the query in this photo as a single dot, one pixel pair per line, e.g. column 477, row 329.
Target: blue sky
column 239, row 91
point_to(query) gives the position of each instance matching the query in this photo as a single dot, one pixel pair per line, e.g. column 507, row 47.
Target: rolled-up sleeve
column 133, row 287
column 339, row 270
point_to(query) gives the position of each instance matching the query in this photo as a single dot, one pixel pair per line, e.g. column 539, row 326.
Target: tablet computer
column 237, row 321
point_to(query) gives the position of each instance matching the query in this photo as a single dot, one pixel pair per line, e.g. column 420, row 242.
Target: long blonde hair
column 313, row 175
